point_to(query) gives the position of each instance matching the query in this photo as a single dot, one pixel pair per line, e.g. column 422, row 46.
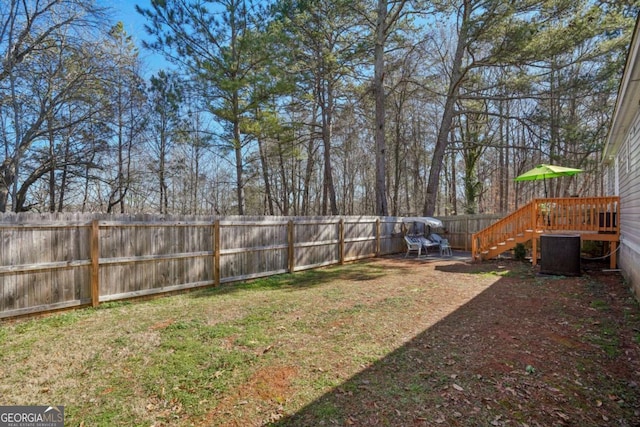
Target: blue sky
column 124, row 10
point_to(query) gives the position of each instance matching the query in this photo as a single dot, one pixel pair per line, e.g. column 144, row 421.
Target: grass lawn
column 390, row 341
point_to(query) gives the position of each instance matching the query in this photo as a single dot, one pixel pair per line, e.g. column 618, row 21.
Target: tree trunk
column 310, row 166
column 64, row 175
column 454, row 187
column 239, row 179
column 265, row 176
column 283, row 178
column 507, row 163
column 381, row 189
column 502, row 166
column 457, row 74
column 164, row 203
column 52, row 172
column 398, row 154
column 120, row 161
column 196, row 163
column 329, row 191
column 326, row 107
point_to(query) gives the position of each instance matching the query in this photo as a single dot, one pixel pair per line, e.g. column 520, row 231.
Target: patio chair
column 414, row 244
column 445, row 248
column 443, row 244
column 428, row 243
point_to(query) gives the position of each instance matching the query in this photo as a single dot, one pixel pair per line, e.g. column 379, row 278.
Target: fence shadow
column 489, row 363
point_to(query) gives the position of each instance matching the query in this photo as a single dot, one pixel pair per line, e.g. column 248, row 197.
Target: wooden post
column 377, row 237
column 466, row 237
column 615, row 244
column 341, row 238
column 292, row 246
column 95, row 263
column 613, row 258
column 216, row 252
column 474, row 248
column 534, row 232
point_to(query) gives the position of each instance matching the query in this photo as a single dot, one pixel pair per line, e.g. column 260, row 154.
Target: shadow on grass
column 485, row 268
column 523, row 352
column 357, row 271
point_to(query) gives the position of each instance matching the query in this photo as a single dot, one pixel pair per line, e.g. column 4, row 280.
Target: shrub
column 519, row 252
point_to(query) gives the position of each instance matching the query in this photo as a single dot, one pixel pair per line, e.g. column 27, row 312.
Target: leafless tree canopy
column 296, row 107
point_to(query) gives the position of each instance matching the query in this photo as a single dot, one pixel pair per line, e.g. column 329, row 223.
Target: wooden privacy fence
column 49, row 263
column 460, row 228
column 55, row 261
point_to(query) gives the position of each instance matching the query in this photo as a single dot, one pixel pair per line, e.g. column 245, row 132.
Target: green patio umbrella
column 545, row 171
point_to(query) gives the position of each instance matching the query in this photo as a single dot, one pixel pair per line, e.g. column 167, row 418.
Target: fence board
column 154, row 257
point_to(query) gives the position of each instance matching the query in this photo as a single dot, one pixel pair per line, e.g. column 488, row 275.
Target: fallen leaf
column 275, row 416
column 457, row 387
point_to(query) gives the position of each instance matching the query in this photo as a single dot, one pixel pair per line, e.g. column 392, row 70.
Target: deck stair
column 594, row 218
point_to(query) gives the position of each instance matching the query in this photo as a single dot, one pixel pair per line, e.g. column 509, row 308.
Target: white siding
column 616, row 179
column 610, row 174
column 629, row 262
column 628, row 161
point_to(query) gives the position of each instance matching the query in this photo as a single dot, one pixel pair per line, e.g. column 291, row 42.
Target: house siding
column 610, row 187
column 628, row 163
column 630, row 266
column 621, row 155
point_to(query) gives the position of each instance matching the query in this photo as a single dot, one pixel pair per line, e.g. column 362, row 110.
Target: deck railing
column 589, row 216
column 595, row 214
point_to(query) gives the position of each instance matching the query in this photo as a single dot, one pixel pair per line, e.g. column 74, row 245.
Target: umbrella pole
column 544, row 181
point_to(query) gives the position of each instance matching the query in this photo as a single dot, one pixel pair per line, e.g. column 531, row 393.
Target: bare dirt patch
column 271, row 386
column 530, row 350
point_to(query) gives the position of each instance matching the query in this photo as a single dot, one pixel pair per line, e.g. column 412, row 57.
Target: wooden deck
column 593, row 218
